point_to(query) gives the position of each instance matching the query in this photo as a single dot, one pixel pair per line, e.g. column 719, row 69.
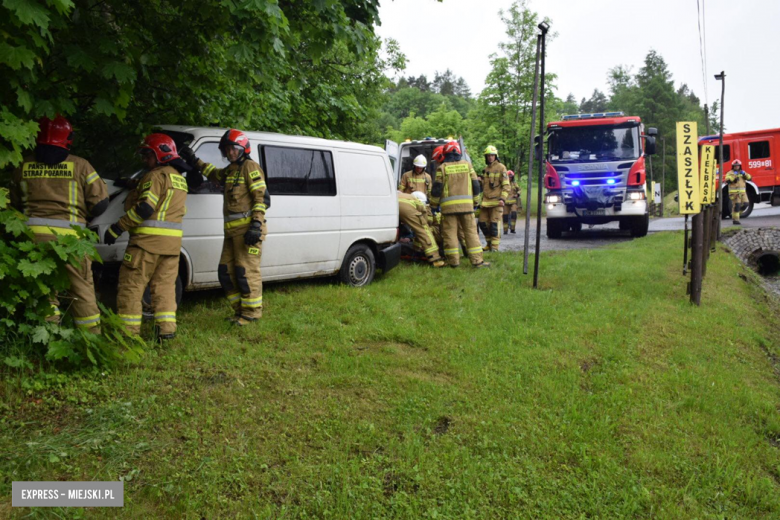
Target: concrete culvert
column 768, row 263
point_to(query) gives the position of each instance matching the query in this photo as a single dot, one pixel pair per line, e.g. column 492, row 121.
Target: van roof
column 209, row 131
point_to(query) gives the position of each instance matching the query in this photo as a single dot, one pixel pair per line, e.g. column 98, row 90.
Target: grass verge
column 431, row 393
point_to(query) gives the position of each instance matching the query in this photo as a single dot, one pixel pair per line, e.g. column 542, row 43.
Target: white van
column 334, row 211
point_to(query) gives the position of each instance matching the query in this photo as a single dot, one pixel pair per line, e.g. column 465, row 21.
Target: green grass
column 671, row 206
column 435, row 393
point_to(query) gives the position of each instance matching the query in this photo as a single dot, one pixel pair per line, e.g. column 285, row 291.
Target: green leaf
column 24, row 99
column 4, row 199
column 40, row 335
column 17, row 362
column 77, row 58
column 123, row 72
column 33, row 270
column 104, row 106
column 16, row 57
column 28, row 12
column 60, row 350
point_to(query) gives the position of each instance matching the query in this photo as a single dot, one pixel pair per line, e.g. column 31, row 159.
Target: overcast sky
column 595, row 35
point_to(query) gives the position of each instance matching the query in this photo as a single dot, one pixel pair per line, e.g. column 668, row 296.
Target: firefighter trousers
column 450, row 226
column 738, row 202
column 139, row 269
column 423, row 236
column 510, row 218
column 83, row 306
column 239, row 275
column 489, row 222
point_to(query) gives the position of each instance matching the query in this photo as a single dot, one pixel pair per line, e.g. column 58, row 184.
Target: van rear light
column 551, row 179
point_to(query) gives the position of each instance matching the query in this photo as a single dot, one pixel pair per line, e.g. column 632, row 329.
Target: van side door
column 203, row 223
column 369, row 202
column 304, row 218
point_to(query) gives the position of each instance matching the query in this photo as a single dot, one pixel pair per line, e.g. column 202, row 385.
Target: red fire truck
column 596, row 172
column 758, row 152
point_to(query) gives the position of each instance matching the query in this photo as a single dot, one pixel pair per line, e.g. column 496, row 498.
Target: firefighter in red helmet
column 455, row 191
column 154, row 212
column 59, row 191
column 246, row 201
column 737, row 180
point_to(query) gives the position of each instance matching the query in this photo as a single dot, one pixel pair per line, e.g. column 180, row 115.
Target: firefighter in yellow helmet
column 57, row 191
column 154, row 212
column 737, row 180
column 513, row 204
column 246, row 201
column 495, row 191
column 455, row 192
column 416, row 179
column 412, row 211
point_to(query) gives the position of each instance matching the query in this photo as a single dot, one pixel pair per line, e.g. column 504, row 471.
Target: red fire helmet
column 55, row 132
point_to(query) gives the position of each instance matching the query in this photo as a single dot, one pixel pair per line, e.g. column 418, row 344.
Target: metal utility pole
column 722, row 78
column 531, row 159
column 708, row 208
column 544, row 27
column 697, row 257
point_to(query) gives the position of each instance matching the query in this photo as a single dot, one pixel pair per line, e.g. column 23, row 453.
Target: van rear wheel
column 359, row 266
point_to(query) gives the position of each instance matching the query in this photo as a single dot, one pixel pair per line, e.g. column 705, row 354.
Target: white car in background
column 334, row 211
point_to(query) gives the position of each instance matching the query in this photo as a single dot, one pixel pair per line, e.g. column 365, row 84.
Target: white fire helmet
column 420, row 161
column 420, row 196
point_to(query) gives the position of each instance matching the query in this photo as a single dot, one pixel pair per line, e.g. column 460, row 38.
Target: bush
column 29, row 273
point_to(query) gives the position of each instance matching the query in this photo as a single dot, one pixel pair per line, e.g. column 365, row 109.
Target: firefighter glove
column 254, row 233
column 188, row 155
column 112, row 233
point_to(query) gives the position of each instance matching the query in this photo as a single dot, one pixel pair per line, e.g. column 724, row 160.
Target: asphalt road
column 598, row 236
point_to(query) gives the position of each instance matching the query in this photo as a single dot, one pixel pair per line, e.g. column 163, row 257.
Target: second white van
column 334, row 211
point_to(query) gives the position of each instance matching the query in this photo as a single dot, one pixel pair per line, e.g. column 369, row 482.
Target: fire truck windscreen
column 594, row 143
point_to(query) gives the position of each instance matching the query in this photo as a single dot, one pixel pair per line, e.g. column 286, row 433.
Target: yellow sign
column 33, row 170
column 688, row 168
column 707, row 174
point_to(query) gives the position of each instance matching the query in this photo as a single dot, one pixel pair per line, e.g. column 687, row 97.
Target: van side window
column 296, row 171
column 758, row 150
column 209, row 152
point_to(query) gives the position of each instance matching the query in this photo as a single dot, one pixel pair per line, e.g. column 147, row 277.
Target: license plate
column 595, row 212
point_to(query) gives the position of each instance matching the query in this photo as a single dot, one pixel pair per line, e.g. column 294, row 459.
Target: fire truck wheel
column 639, row 226
column 747, row 209
column 555, row 228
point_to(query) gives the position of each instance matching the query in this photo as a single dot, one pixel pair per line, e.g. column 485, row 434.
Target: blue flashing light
column 575, row 183
column 610, row 181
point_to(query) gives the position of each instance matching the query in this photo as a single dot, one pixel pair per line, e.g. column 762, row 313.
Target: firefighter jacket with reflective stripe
column 410, row 200
column 495, row 185
column 411, row 183
column 54, row 197
column 164, row 191
column 244, row 193
column 737, row 181
column 457, row 195
column 514, row 193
